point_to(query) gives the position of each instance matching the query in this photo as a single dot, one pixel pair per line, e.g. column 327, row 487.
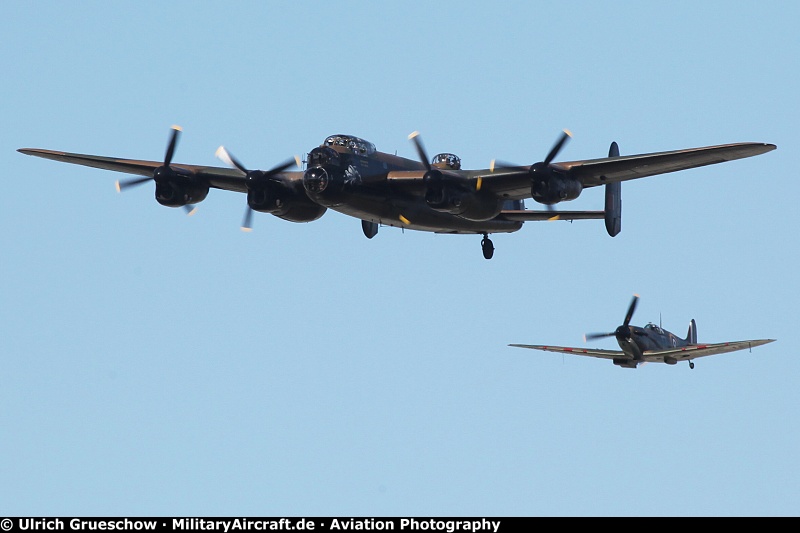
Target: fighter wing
column 702, row 350
column 217, row 177
column 602, row 354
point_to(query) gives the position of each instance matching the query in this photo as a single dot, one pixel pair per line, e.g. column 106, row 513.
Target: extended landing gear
column 487, row 246
column 691, row 364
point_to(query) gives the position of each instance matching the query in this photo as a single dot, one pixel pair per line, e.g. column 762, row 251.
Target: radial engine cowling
column 552, row 189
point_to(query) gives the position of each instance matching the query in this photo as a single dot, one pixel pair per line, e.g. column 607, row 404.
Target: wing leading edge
column 602, row 354
column 702, row 350
column 614, row 169
column 217, row 177
column 685, row 353
column 515, row 182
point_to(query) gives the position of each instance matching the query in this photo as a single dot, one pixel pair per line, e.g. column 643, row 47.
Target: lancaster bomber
column 349, row 175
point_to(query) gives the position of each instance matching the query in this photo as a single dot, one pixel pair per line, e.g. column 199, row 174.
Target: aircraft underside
column 414, row 215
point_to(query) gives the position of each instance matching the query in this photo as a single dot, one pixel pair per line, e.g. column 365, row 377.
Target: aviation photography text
column 232, row 525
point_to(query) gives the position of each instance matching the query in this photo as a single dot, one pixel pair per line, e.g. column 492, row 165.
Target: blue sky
column 158, row 364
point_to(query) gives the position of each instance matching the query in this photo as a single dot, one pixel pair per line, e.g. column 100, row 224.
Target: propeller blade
column 247, row 225
column 125, row 184
column 414, row 137
column 228, row 159
column 254, row 179
column 497, row 164
column 231, row 161
column 173, row 141
column 557, row 147
column 190, row 210
column 289, row 163
column 594, row 336
column 621, row 331
column 631, row 309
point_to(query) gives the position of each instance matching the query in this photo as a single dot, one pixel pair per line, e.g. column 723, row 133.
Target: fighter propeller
column 623, row 332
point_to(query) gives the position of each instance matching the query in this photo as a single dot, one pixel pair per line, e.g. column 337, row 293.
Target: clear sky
column 158, row 364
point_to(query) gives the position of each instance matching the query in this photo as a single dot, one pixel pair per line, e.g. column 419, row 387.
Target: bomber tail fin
column 691, row 337
column 613, row 211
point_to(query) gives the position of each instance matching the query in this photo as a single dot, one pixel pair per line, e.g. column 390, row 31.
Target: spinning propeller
column 565, row 136
column 623, row 332
column 542, row 166
column 541, row 173
column 434, row 177
column 255, row 180
column 161, row 175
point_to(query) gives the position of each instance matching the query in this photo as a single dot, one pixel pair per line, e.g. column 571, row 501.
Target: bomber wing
column 701, row 350
column 218, row 177
column 602, row 354
column 622, row 168
column 515, row 181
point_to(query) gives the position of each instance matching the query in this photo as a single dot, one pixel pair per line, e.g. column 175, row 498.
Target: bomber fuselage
column 348, row 175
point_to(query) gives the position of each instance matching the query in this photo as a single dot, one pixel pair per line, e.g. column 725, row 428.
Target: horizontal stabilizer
column 528, row 215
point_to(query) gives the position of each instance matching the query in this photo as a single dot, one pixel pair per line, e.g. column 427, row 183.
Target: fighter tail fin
column 691, row 337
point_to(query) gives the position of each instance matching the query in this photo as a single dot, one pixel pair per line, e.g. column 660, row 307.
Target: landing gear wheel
column 487, row 247
column 691, row 364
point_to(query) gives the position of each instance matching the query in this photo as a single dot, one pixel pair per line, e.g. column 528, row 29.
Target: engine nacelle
column 173, row 194
column 265, row 199
column 465, row 204
column 301, row 211
column 176, row 187
column 283, row 202
column 552, row 189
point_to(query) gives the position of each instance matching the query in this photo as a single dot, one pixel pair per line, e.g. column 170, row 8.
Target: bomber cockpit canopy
column 451, row 161
column 352, row 144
